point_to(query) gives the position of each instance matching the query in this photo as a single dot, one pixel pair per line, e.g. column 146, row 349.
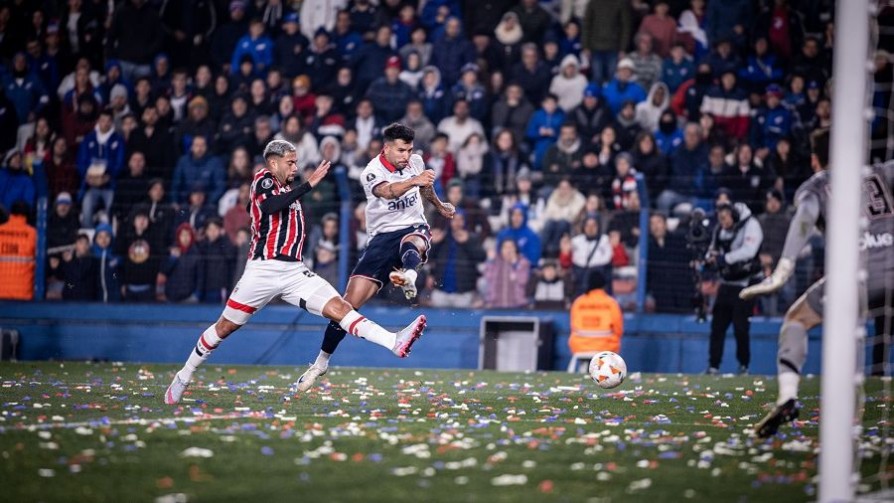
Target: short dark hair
column 20, row 208
column 595, row 281
column 397, row 131
column 819, row 146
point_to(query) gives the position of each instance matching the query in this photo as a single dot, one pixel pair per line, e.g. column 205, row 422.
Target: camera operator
column 698, row 239
column 734, row 250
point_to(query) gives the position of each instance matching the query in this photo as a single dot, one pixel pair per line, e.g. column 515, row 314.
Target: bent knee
column 337, row 308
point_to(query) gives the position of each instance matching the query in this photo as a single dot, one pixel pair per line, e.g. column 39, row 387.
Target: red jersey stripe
column 241, row 307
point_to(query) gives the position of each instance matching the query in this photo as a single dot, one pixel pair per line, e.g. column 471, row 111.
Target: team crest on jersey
column 370, row 177
column 266, row 183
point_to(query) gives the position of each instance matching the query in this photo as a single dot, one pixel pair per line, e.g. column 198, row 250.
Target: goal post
column 840, row 326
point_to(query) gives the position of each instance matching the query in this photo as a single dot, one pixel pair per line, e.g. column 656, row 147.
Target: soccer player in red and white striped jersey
column 275, row 269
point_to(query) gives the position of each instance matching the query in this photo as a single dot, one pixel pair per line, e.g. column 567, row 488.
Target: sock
column 207, row 342
column 409, row 256
column 358, row 325
column 322, row 360
column 333, row 336
column 788, row 387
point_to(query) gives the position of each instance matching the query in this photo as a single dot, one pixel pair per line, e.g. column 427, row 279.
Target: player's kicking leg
column 207, row 343
column 803, row 315
column 411, row 249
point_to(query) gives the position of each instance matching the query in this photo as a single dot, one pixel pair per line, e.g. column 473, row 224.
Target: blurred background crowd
column 550, row 125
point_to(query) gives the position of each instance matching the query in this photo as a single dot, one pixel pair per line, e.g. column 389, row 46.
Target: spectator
column 723, row 59
column 652, row 163
column 592, row 115
column 502, row 164
column 237, row 217
column 440, row 159
column 648, row 112
column 687, row 101
column 366, row 125
column 325, row 261
column 774, row 222
column 135, row 37
column 728, row 19
column 543, row 130
column 131, row 188
column 591, row 251
column 452, row 51
column 563, row 205
column 729, row 107
column 506, row 277
column 548, row 288
column 80, row 272
column 16, row 185
column 747, row 181
column 304, row 141
column 389, row 93
column 810, row 63
column 188, row 28
column 259, row 102
column 363, row 15
column 257, row 46
column 605, row 35
column 227, row 35
column 139, row 263
column 470, row 162
column 198, row 123
column 24, row 89
column 622, row 88
column 509, row 36
column 532, row 74
column 772, row 122
column 100, row 159
column 677, row 68
column 412, row 72
column 319, row 15
column 218, row 256
column 18, row 249
column 60, row 169
column 435, row 101
column 661, row 27
column 692, row 28
column 322, row 59
column 468, row 88
column 108, row 263
column 419, row 45
column 456, row 253
column 646, row 63
column 236, row 125
column 668, row 136
column 512, row 112
column 534, row 20
column 474, row 218
column 290, row 46
column 761, row 68
column 789, row 167
column 181, row 276
column 624, row 183
column 564, row 157
column 668, row 275
column 782, row 27
column 62, row 225
column 142, row 97
column 569, row 84
column 160, row 77
column 161, row 214
column 688, row 169
column 198, row 167
column 178, row 94
column 371, row 58
column 626, row 126
column 416, row 119
column 197, row 211
column 156, row 144
column 459, row 126
column 527, row 241
column 597, row 323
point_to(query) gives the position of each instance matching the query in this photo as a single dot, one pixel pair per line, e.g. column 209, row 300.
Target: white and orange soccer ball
column 608, row 369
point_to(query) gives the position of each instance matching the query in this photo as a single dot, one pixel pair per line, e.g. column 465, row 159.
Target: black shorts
column 382, row 254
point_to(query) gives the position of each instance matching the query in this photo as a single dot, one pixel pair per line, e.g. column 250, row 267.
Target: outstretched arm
column 278, row 202
column 445, row 209
column 395, row 190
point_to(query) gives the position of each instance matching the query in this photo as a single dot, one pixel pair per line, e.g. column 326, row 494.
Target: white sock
column 208, row 341
column 788, row 387
column 322, row 360
column 411, row 275
column 358, row 325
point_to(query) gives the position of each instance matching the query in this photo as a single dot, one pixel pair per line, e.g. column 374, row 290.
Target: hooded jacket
column 527, row 240
column 102, row 148
column 108, row 289
column 744, row 243
column 647, row 113
column 435, row 100
column 184, row 273
column 569, row 90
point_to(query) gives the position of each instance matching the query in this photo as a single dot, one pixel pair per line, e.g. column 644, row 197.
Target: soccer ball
column 608, row 369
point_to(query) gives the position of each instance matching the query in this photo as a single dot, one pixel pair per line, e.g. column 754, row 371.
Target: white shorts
column 263, row 280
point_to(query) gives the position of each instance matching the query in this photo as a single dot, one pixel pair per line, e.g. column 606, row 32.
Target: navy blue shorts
column 382, row 254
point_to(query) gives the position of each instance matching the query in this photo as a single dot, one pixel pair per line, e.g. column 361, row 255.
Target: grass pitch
column 100, row 432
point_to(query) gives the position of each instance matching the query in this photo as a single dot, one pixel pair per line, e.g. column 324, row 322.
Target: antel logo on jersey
column 870, row 241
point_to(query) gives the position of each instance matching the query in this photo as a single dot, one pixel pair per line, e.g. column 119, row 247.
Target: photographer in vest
column 734, row 252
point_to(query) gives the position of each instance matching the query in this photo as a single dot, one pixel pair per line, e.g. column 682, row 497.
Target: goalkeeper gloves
column 780, row 275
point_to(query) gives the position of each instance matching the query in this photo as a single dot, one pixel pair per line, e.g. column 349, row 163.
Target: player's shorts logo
column 266, row 183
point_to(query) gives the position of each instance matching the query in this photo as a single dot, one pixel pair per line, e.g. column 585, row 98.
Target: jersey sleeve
column 371, row 178
column 264, row 188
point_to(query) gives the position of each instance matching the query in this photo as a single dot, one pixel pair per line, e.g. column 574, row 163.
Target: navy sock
column 409, row 255
column 334, row 335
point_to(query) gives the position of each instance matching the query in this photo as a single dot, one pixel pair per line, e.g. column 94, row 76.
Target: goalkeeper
column 877, row 243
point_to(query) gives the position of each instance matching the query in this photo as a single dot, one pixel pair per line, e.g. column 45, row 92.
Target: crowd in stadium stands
column 142, row 122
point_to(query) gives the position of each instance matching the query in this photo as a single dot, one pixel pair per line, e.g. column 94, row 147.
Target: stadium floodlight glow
column 848, row 156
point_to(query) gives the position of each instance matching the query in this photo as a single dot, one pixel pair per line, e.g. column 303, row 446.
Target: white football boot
column 309, row 377
column 408, row 336
column 406, row 280
column 175, row 390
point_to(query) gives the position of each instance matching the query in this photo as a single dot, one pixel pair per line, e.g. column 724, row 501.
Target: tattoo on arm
column 428, row 193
